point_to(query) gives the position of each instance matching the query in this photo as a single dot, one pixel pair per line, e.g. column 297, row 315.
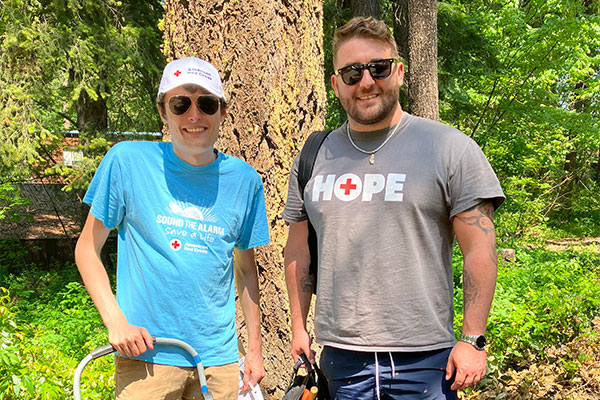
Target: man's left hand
column 254, row 370
column 467, row 364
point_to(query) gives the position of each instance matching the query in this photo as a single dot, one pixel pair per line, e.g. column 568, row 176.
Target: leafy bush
column 543, row 298
column 51, row 325
column 10, row 199
column 11, row 365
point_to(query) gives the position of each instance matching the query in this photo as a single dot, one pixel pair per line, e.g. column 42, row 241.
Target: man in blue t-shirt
column 188, row 219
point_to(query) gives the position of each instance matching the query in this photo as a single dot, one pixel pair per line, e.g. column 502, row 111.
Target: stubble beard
column 373, row 115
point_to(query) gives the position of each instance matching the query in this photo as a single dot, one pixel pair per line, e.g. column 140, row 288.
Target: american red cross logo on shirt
column 175, row 244
column 348, row 186
column 177, row 73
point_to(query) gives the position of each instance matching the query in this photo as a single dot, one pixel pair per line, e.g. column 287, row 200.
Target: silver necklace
column 372, row 152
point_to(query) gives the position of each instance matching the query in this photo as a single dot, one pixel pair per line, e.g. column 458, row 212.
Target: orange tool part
column 305, row 395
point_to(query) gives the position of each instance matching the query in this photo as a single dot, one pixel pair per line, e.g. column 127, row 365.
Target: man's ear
column 162, row 112
column 334, row 85
column 400, row 74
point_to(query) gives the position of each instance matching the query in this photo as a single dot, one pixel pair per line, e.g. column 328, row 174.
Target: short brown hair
column 364, row 27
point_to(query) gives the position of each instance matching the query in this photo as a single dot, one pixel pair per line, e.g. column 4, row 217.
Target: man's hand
column 130, row 340
column 469, row 365
column 301, row 344
column 254, row 370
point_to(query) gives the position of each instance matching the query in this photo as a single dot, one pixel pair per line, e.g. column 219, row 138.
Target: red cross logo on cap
column 177, row 73
column 175, row 244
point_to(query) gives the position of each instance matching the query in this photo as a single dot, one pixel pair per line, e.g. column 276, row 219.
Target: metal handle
column 108, row 349
column 102, row 351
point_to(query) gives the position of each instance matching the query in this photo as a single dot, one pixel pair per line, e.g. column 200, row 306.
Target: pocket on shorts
column 122, row 364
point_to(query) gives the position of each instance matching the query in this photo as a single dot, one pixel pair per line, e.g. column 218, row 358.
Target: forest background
column 519, row 77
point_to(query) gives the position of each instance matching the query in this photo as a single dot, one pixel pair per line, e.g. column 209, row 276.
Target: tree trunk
column 270, row 57
column 92, row 115
column 400, row 24
column 421, row 45
column 400, row 11
column 365, row 8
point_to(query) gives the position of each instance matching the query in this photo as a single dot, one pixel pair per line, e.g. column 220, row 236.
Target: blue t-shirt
column 178, row 225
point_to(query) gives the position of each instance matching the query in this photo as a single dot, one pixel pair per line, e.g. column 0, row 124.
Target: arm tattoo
column 470, row 289
column 480, row 216
column 307, row 282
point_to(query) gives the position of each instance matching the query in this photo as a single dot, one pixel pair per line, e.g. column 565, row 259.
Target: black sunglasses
column 207, row 104
column 379, row 69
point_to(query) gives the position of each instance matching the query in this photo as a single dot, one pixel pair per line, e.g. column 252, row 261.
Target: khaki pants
column 139, row 380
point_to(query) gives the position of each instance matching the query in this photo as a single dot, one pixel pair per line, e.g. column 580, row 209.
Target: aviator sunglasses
column 379, row 69
column 207, row 104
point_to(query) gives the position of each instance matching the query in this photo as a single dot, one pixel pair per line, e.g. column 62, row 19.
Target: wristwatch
column 479, row 341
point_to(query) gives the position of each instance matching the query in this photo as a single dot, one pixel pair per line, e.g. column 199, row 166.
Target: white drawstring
column 377, row 372
column 393, row 366
column 377, row 376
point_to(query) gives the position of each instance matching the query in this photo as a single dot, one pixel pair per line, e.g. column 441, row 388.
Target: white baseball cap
column 191, row 70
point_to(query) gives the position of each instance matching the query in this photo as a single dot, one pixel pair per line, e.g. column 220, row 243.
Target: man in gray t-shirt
column 388, row 194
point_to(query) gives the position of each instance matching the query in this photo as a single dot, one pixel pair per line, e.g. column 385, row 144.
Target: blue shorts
column 355, row 375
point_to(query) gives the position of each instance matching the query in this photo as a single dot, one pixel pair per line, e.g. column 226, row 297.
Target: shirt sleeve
column 294, row 210
column 474, row 181
column 255, row 228
column 105, row 194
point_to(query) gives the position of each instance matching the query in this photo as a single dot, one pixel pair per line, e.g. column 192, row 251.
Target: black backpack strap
column 308, row 155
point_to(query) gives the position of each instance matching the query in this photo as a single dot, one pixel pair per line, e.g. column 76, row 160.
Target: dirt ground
column 591, row 243
column 571, row 372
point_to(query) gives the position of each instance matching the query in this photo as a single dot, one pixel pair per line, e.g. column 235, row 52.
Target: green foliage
column 543, row 298
column 9, row 360
column 12, row 257
column 67, row 65
column 9, row 199
column 46, row 329
column 523, row 80
column 334, row 16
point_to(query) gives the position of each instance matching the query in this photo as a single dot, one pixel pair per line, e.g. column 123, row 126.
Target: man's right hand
column 130, row 340
column 301, row 345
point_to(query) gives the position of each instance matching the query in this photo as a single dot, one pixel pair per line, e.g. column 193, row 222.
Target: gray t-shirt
column 385, row 232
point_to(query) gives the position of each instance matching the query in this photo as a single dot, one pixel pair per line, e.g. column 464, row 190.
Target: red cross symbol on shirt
column 348, row 186
column 177, row 73
column 175, row 244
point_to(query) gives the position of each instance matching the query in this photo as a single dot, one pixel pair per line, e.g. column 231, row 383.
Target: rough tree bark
column 365, row 8
column 270, row 56
column 415, row 28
